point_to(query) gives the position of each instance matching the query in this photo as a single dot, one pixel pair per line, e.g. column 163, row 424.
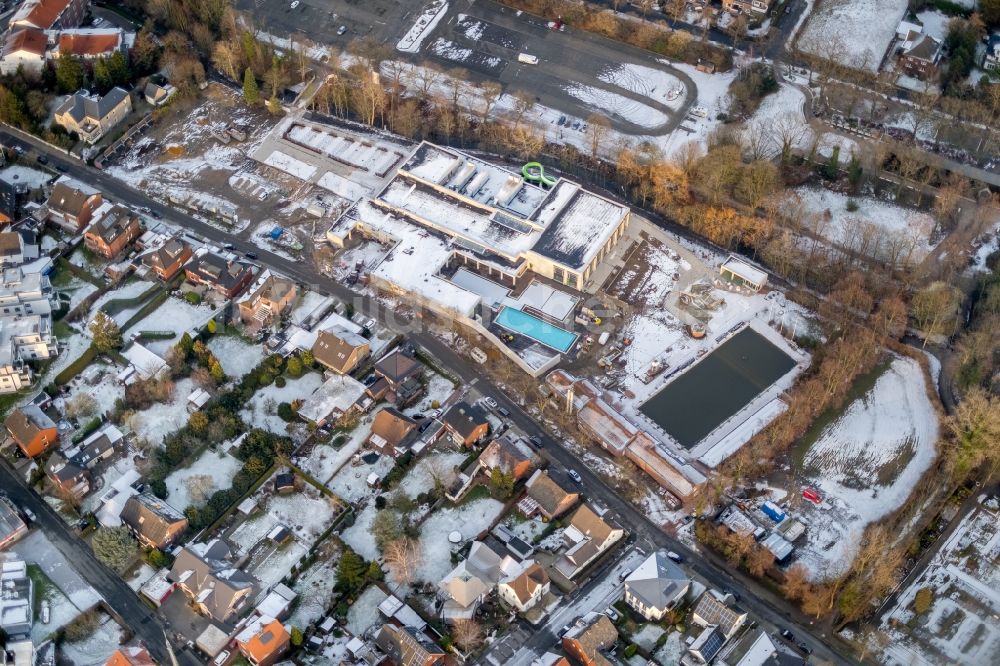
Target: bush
column 296, row 636
column 159, row 488
column 211, row 327
column 265, row 378
column 380, row 502
column 192, row 297
column 157, row 558
column 280, row 381
column 285, row 412
column 294, row 367
column 83, row 626
column 630, row 650
column 923, row 600
column 114, row 547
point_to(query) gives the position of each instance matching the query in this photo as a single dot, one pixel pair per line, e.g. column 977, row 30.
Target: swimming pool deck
column 535, row 329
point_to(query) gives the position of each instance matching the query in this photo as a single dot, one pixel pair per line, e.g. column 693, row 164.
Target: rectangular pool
column 721, row 384
column 532, row 327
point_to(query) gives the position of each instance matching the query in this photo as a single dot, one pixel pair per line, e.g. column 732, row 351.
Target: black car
column 805, row 649
column 61, row 169
column 42, row 159
column 251, row 255
column 536, row 440
column 504, row 412
column 785, row 633
column 156, row 215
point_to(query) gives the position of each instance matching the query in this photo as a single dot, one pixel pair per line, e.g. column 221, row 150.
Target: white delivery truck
column 527, row 59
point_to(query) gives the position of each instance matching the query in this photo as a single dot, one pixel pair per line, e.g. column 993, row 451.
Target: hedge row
column 76, row 367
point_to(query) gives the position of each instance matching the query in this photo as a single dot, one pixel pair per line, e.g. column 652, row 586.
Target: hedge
column 116, row 305
column 76, row 367
column 145, row 310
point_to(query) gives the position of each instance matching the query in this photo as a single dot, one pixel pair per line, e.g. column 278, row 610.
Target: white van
column 527, row 59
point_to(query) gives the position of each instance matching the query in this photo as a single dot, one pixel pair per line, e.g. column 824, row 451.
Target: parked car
column 490, row 402
column 229, row 246
column 625, row 574
column 504, row 412
column 43, row 611
column 29, row 514
column 805, row 648
column 295, row 4
column 250, row 255
column 573, row 474
column 786, row 634
column 61, row 169
column 341, row 30
column 674, row 556
column 612, row 614
column 536, row 441
column 370, row 324
column 42, row 159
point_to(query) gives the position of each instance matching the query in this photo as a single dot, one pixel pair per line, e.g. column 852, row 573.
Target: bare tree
column 403, row 556
column 597, row 130
column 81, row 406
column 788, row 131
column 468, row 635
column 489, row 92
column 524, row 102
column 200, row 487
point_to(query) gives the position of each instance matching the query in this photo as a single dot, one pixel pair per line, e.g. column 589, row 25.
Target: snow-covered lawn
column 647, row 636
column 469, row 519
column 161, row 419
column 100, row 382
column 77, row 290
column 877, row 228
column 306, row 513
column 960, row 627
column 866, row 463
column 438, row 464
column 613, row 104
column 279, row 563
column 780, row 118
column 219, row 467
column 363, row 614
column 325, row 461
column 852, row 32
column 133, row 289
column 173, row 315
column 236, row 355
column 439, row 389
column 262, row 409
column 359, row 535
column 315, row 590
column 350, row 483
column 426, row 21
column 96, row 648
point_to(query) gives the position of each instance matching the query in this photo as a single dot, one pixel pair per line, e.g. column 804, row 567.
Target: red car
column 812, row 496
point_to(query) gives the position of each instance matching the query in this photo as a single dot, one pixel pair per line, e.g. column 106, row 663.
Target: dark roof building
column 405, row 647
column 168, row 259
column 398, row 367
column 466, row 423
column 228, row 277
column 206, row 573
column 154, row 522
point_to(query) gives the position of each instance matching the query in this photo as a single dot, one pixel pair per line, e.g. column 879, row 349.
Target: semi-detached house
column 93, row 116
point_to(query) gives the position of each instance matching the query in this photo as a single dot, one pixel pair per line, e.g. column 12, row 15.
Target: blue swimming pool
column 532, row 327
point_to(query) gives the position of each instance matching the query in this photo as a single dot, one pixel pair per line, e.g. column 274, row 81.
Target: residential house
column 109, row 514
column 705, row 647
column 50, row 14
column 749, row 7
column 32, row 430
column 225, row 276
column 277, row 603
column 12, row 527
column 587, row 537
column 157, row 95
column 753, row 649
column 469, row 583
column 395, row 370
column 400, row 614
column 510, row 455
column 389, row 430
column 263, row 641
column 17, row 247
column 991, row 60
column 113, row 232
column 70, row 479
column 466, row 424
column 921, row 58
column 267, row 299
column 550, row 659
column 99, row 445
column 589, row 638
column 546, row 497
column 712, row 609
column 340, row 351
column 17, row 601
column 71, row 204
column 133, row 655
column 207, row 574
column 407, row 647
column 656, row 587
column 168, row 259
column 333, row 400
column 24, row 293
column 526, row 587
column 92, row 43
column 23, row 48
column 22, row 339
column 93, row 116
column 154, row 523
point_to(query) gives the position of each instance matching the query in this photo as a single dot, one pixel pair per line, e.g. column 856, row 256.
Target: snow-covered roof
column 146, row 363
column 334, row 397
column 577, row 224
column 744, row 270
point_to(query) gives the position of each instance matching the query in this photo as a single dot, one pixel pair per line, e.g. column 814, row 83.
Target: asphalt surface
column 140, row 619
column 772, row 611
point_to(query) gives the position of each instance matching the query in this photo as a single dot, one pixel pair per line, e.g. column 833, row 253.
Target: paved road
column 770, row 608
column 119, row 596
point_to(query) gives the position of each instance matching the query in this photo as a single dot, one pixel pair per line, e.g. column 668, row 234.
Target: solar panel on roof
column 712, row 645
column 511, row 223
column 469, row 245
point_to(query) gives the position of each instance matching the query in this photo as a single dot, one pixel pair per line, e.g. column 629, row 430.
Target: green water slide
column 534, row 172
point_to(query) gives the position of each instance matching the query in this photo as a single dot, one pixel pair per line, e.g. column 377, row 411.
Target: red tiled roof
column 45, row 13
column 30, row 40
column 88, row 44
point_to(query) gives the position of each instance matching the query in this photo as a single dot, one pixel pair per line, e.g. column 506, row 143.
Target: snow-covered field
column 219, row 467
column 306, row 513
column 713, row 91
column 236, row 355
column 877, row 228
column 438, row 464
column 613, row 104
column 852, row 32
column 960, row 626
column 262, row 409
column 653, row 83
column 279, row 563
column 469, row 519
column 866, row 463
column 161, row 419
column 132, row 289
column 325, row 461
column 359, row 535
